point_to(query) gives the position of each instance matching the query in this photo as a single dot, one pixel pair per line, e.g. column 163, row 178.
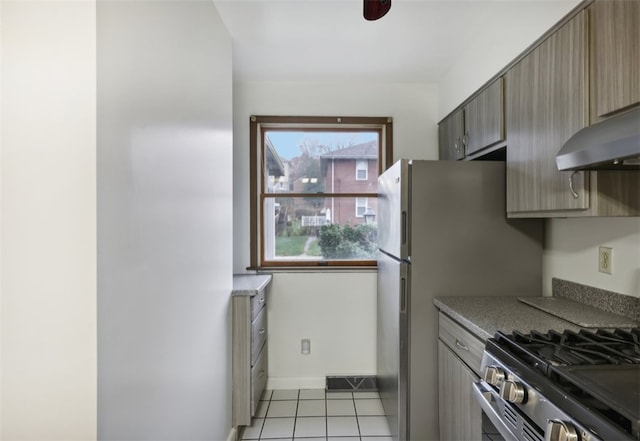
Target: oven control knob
column 493, row 375
column 513, row 392
column 560, row 431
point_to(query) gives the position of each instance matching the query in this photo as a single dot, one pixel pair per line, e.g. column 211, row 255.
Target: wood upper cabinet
column 615, row 56
column 484, row 119
column 546, row 103
column 450, row 133
column 478, row 125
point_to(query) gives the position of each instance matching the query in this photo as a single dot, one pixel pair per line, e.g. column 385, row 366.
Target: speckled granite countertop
column 485, row 315
column 249, row 284
column 579, row 313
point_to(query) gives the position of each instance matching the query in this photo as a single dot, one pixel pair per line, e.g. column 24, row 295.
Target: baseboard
column 280, row 383
column 233, row 435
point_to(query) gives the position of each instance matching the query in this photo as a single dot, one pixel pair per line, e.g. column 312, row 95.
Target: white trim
column 359, row 162
column 233, row 434
column 296, row 383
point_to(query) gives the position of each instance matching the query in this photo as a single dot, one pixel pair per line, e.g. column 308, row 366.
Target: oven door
column 490, row 402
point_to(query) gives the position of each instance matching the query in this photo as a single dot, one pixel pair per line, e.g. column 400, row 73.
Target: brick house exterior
column 351, row 170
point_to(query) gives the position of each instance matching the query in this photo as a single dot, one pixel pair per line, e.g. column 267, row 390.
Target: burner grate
column 594, row 376
column 571, row 348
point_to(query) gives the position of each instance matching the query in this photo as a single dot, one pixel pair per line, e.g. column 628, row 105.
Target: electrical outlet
column 605, row 260
column 305, row 346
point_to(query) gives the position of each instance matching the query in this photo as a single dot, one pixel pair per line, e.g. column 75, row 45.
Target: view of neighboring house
column 351, row 170
column 304, row 193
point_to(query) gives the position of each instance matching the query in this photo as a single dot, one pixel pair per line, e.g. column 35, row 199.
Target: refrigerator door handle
column 404, row 228
column 403, row 295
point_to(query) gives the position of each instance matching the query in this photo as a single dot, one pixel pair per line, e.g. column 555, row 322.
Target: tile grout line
column 327, row 437
column 295, row 419
column 264, row 420
column 355, row 412
column 326, row 416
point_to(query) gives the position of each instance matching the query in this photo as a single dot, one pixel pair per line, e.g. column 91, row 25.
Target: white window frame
column 362, row 165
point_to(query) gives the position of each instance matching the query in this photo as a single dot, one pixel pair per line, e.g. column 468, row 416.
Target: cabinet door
column 450, row 132
column 615, row 43
column 460, row 416
column 484, row 119
column 545, row 99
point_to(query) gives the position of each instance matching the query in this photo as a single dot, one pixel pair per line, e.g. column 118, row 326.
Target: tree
column 347, row 242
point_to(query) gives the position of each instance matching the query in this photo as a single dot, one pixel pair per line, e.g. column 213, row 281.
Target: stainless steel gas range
column 563, row 386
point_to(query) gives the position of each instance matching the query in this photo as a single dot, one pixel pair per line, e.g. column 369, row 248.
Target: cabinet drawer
column 257, row 302
column 258, row 335
column 259, row 374
column 463, row 343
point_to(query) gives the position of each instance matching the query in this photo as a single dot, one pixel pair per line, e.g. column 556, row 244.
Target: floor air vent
column 352, row 384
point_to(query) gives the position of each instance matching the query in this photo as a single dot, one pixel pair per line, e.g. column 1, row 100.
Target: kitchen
column 570, row 244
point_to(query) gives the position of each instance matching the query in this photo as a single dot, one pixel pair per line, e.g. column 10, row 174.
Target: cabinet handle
column 261, row 374
column 261, row 300
column 261, row 331
column 461, row 345
column 573, row 192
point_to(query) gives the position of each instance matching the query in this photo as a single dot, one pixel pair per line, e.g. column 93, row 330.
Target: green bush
column 348, row 242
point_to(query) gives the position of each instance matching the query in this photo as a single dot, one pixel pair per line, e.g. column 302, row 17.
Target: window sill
column 314, row 269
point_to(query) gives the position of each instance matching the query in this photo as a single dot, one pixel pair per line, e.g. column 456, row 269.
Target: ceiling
column 329, row 40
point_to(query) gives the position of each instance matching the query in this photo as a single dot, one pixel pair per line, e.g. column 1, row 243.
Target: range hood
column 613, row 144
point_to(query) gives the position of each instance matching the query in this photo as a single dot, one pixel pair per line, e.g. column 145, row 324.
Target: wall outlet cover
column 605, row 260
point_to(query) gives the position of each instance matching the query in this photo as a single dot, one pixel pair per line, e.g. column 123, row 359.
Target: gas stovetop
column 569, row 348
column 598, row 370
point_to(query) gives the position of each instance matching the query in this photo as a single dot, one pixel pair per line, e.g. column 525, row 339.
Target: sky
column 286, row 143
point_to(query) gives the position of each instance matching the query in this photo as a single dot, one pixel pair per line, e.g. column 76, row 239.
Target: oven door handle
column 486, row 397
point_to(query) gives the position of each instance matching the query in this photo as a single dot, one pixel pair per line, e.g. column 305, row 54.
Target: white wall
column 48, row 236
column 335, row 310
column 571, row 244
column 494, row 47
column 164, row 221
column 571, row 253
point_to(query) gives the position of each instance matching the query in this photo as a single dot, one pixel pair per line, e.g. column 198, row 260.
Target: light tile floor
column 315, row 414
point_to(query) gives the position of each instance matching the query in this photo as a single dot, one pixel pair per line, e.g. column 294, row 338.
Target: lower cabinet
column 250, row 354
column 460, row 416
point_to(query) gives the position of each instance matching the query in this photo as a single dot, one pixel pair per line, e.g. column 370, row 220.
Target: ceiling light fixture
column 375, row 9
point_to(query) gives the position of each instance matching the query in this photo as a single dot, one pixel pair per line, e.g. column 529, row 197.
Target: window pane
column 361, row 170
column 361, row 206
column 313, row 228
column 320, row 161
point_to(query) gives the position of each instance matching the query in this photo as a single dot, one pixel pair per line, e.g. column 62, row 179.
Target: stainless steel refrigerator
column 442, row 231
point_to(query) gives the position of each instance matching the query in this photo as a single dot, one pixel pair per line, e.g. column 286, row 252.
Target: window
column 362, row 169
column 361, row 206
column 308, row 207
